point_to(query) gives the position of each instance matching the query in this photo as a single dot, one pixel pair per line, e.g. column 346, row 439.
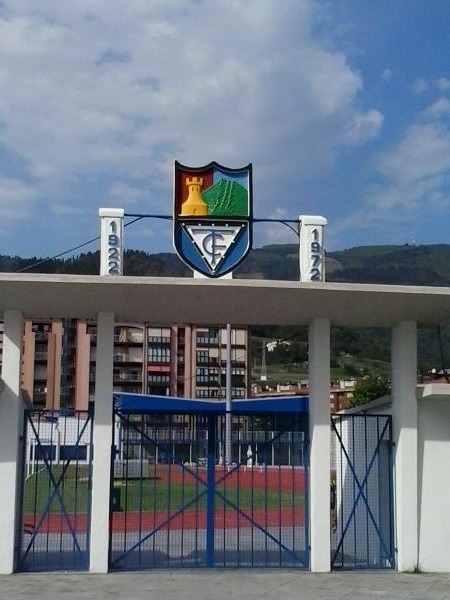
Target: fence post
column 404, row 412
column 102, row 444
column 210, row 494
column 320, row 435
column 11, row 414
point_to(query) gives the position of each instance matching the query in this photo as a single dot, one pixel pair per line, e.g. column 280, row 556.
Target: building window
column 235, row 393
column 236, row 380
column 208, row 338
column 207, row 393
column 158, row 354
column 202, row 357
column 207, row 376
column 158, row 378
column 158, row 389
column 159, row 339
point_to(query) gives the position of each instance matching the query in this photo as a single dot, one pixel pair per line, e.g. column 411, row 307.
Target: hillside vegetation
column 354, row 351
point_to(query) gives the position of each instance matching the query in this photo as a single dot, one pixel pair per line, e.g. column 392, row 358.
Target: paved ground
column 221, row 585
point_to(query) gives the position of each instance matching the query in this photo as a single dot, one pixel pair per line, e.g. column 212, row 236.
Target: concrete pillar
column 57, row 331
column 102, row 443
column 174, row 360
column 190, row 358
column 111, row 242
column 311, row 248
column 82, row 363
column 404, row 414
column 29, row 349
column 320, row 435
column 11, row 424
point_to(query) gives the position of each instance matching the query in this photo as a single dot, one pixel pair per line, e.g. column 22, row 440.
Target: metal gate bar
column 210, row 493
column 362, row 535
column 55, row 491
column 195, row 529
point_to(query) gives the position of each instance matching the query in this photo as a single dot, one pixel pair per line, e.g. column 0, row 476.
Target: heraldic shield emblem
column 212, row 217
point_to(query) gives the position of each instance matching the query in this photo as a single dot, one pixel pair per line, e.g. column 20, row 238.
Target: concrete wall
column 433, row 477
column 434, row 484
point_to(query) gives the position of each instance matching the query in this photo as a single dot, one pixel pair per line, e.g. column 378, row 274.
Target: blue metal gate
column 176, row 504
column 56, row 491
column 362, row 492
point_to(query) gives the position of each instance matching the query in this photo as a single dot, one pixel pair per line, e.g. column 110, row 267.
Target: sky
column 342, row 107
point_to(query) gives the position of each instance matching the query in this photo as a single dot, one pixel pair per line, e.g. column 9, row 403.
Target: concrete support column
column 320, row 434
column 82, row 364
column 102, row 442
column 404, row 413
column 29, row 349
column 11, row 415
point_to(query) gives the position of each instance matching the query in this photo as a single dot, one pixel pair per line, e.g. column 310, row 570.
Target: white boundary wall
column 434, row 484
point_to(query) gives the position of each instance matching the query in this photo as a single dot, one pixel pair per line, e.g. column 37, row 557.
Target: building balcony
column 158, row 363
column 207, row 383
column 130, row 340
column 127, row 377
column 207, row 341
column 125, row 358
column 40, row 336
column 210, row 362
column 236, row 364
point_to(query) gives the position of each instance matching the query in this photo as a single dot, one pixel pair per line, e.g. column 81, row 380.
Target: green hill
column 406, row 265
column 354, row 351
column 413, row 265
column 403, row 265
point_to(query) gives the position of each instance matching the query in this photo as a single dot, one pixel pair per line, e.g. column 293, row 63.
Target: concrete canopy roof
column 203, row 301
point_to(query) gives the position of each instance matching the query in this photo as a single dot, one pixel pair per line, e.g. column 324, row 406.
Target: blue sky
column 343, row 107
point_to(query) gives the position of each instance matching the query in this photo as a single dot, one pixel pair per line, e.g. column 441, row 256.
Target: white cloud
column 277, row 233
column 386, row 75
column 126, row 192
column 364, row 126
column 116, row 91
column 65, row 210
column 443, row 84
column 438, row 108
column 420, row 86
column 424, row 151
column 17, row 200
column 414, row 175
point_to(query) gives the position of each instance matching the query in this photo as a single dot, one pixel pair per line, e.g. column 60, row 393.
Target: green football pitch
column 152, row 494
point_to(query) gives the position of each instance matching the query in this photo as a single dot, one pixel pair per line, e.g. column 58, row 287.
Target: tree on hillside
column 369, row 388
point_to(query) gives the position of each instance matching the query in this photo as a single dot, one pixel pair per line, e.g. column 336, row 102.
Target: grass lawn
column 159, row 495
column 152, row 495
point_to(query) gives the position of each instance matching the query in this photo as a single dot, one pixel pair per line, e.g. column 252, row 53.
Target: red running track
column 187, row 519
column 284, row 479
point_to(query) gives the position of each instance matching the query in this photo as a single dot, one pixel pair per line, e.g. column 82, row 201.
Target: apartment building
column 58, row 361
column 341, row 391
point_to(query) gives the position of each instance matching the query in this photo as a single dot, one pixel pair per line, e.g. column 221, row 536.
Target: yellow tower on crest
column 194, row 203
